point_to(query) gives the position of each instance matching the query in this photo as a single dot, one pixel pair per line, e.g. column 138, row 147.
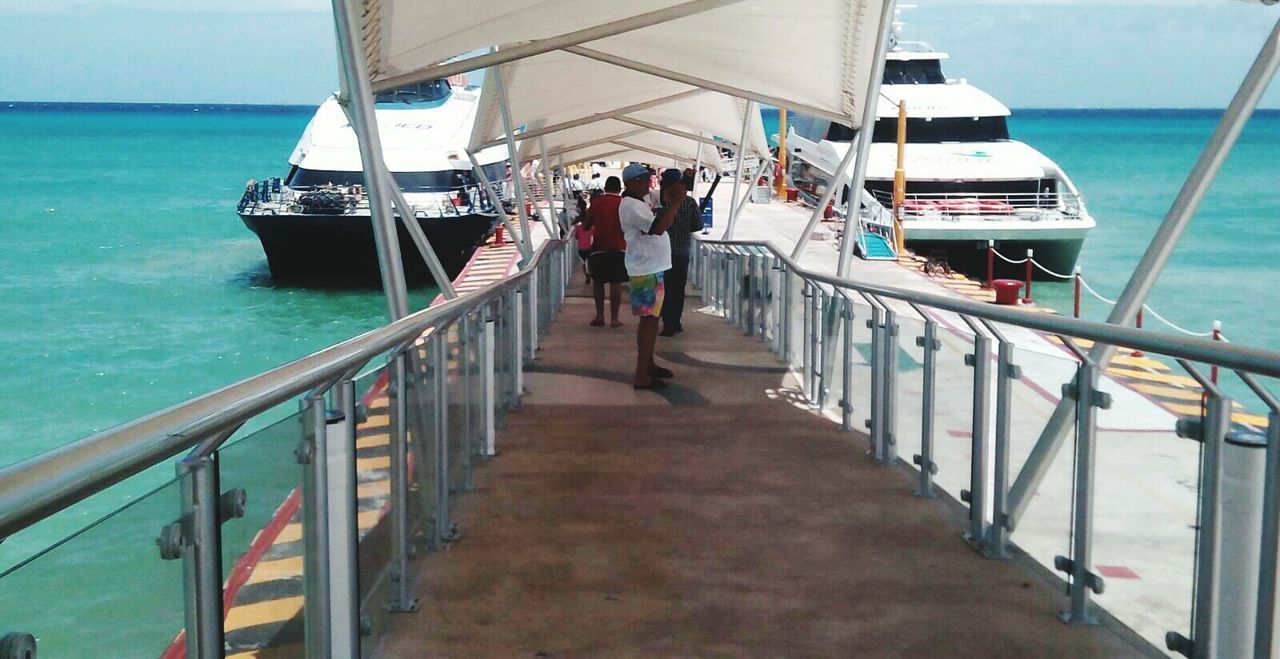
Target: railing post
column 784, row 316
column 752, row 287
column 1264, row 631
column 931, row 345
column 533, row 301
column 1078, row 567
column 443, row 531
column 315, row 526
column 202, row 557
column 401, row 599
column 997, row 544
column 1205, row 624
column 517, row 349
column 979, row 461
column 490, row 402
column 344, row 556
column 846, row 373
column 875, row 424
column 806, row 346
column 889, row 395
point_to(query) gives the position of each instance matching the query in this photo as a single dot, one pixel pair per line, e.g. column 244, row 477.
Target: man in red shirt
column 607, row 262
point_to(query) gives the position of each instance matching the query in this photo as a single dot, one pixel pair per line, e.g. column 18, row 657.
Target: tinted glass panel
column 948, row 129
column 422, row 92
column 913, row 72
column 409, row 181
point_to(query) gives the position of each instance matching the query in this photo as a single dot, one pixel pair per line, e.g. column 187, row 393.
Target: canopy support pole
column 600, row 116
column 678, row 133
column 359, row 100
column 697, row 171
column 547, row 45
column 737, row 176
column 837, row 181
column 570, row 148
column 525, row 252
column 517, row 181
column 736, row 205
column 703, row 83
column 548, row 190
column 1154, row 259
column 410, row 221
column 853, row 205
column 655, row 152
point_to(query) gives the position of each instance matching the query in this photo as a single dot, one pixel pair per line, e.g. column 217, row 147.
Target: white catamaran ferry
column 967, row 182
column 314, row 224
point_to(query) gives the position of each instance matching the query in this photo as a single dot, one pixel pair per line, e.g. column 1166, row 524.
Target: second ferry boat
column 967, row 182
column 314, row 224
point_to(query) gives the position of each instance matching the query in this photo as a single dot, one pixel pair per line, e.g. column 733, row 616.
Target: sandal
column 597, row 323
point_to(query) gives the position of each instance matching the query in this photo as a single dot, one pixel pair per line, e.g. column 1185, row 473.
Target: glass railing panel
column 909, row 411
column 104, row 590
column 953, row 405
column 858, row 344
column 263, row 551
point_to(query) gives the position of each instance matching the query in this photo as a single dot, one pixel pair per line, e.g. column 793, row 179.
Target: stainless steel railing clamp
column 1176, row 642
column 174, row 538
column 1091, row 580
column 17, row 645
column 1098, row 399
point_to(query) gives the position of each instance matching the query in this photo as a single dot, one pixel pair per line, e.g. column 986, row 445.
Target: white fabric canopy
column 558, row 88
column 813, row 56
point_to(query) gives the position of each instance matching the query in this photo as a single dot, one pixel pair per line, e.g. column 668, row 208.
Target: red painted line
column 960, row 433
column 1116, row 572
column 244, row 567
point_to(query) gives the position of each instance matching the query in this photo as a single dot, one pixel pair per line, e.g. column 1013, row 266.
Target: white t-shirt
column 646, row 254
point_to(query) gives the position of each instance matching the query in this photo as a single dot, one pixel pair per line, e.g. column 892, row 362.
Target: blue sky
column 1028, row 53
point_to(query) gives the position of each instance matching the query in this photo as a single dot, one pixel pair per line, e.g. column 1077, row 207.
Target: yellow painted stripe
column 290, row 533
column 373, row 489
column 373, row 441
column 377, row 421
column 1127, row 374
column 1251, row 419
column 277, row 569
column 370, row 464
column 367, row 519
column 1161, row 391
column 263, row 613
column 1141, row 362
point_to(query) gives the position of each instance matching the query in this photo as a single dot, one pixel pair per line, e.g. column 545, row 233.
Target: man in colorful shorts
column 648, row 256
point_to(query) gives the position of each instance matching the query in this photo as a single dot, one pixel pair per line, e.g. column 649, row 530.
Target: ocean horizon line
column 230, row 106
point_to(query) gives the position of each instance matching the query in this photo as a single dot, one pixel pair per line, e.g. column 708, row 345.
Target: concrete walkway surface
column 717, row 518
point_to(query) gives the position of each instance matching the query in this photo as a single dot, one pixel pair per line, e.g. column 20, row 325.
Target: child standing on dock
column 582, row 236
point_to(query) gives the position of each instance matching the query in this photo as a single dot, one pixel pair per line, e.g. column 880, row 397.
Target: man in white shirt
column 648, row 257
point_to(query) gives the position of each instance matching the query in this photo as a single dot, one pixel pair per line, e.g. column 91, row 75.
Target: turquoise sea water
column 128, row 283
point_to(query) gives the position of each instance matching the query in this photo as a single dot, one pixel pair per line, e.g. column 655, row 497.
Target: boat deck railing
column 943, row 386
column 994, row 205
column 425, row 203
column 414, row 402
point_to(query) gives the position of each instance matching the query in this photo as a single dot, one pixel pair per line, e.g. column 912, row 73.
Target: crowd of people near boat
column 637, row 229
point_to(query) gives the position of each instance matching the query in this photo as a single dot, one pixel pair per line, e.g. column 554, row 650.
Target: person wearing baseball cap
column 648, row 257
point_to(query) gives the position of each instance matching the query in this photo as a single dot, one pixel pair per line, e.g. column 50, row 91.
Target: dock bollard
column 1075, row 313
column 1026, row 295
column 1136, row 352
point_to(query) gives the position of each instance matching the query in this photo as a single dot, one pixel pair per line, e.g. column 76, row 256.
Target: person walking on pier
column 688, row 222
column 607, row 262
column 648, row 257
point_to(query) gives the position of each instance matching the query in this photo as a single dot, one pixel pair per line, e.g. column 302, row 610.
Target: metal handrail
column 35, row 488
column 1233, row 356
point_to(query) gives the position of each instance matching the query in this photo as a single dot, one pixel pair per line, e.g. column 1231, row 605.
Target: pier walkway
column 719, row 517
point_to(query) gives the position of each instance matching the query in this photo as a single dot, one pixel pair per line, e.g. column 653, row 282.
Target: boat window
column 840, row 133
column 409, row 181
column 943, row 129
column 421, row 92
column 914, row 72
